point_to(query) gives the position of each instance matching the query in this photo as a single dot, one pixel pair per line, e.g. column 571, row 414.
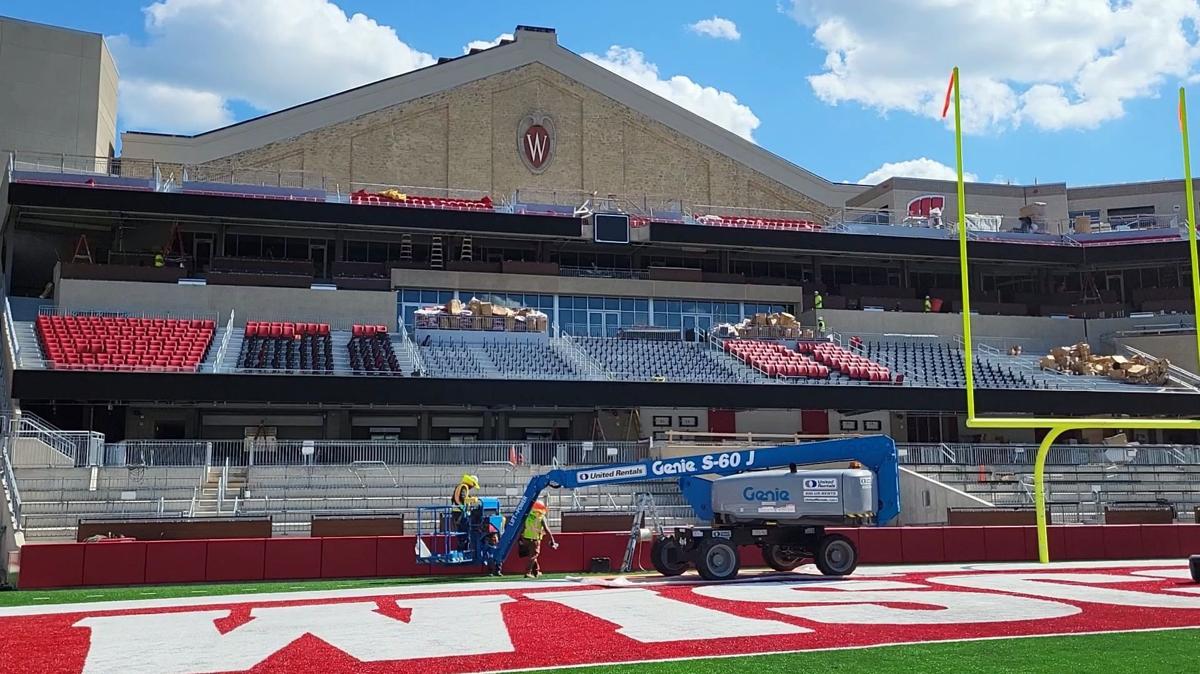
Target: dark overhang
column 121, row 387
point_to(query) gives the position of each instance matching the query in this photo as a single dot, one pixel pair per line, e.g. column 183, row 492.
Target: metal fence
column 272, row 452
column 9, row 486
column 1066, row 455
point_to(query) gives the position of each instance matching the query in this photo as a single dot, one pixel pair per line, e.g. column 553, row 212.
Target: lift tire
column 718, row 560
column 667, row 556
column 781, row 559
column 836, row 555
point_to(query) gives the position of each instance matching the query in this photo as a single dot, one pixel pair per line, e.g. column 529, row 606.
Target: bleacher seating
column 939, row 364
column 499, row 358
column 286, row 347
column 847, row 362
column 124, row 344
column 776, row 359
column 371, row 351
column 649, row 359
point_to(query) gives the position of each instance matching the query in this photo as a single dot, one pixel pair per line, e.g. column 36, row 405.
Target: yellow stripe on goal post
column 1056, row 426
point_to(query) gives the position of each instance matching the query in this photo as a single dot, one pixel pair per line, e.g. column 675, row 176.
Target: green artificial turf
column 1173, row 651
column 100, row 594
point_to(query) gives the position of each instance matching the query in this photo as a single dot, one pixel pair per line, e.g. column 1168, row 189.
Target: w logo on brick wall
column 535, row 141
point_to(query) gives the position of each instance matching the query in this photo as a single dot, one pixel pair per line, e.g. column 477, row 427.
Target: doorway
column 316, row 253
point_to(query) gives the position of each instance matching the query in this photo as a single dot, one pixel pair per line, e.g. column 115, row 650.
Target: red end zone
column 498, row 626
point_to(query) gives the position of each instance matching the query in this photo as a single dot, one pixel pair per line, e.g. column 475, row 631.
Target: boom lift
column 783, row 511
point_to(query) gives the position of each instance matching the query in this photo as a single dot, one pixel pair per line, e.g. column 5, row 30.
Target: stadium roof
column 531, row 45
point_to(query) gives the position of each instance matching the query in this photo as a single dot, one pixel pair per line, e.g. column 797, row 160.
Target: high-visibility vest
column 159, row 260
column 533, row 527
column 460, row 496
column 928, row 305
column 818, row 301
column 821, row 325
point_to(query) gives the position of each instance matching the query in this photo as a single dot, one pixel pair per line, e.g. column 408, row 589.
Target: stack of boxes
column 1080, row 360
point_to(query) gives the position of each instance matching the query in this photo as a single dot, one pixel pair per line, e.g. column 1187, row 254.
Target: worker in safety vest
column 462, row 500
column 821, row 324
column 928, row 304
column 531, row 537
column 818, row 301
column 159, row 260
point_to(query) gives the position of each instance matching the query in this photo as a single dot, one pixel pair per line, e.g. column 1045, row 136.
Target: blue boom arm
column 876, row 452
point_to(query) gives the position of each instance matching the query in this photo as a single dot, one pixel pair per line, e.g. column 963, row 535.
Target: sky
column 1081, row 91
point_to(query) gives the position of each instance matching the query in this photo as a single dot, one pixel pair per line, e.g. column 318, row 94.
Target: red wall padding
column 292, row 558
column 81, row 564
column 52, row 565
column 176, row 561
column 1082, row 543
column 349, row 557
column 1120, row 539
column 235, row 559
column 114, row 563
column 396, row 556
column 963, row 544
column 879, row 546
column 921, row 545
column 1160, row 541
column 1004, row 544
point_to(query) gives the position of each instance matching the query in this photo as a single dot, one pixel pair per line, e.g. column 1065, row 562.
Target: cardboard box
column 1120, row 362
column 454, row 306
column 1118, row 439
column 760, row 319
column 1048, row 363
column 1083, row 224
column 1116, row 374
column 485, row 309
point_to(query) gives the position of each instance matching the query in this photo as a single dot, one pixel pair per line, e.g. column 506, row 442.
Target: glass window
column 626, row 304
column 642, row 305
column 612, row 303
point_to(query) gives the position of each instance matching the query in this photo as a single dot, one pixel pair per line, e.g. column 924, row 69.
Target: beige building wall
column 58, row 90
column 466, row 138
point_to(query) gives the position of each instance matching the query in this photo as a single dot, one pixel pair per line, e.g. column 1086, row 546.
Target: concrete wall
column 982, row 198
column 924, row 500
column 571, row 285
column 1179, row 349
column 339, row 307
column 58, row 90
column 996, row 328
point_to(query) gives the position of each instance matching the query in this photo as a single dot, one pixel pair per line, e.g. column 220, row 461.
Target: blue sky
column 1074, row 90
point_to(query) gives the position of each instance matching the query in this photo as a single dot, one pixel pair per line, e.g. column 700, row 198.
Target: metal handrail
column 222, row 485
column 580, row 356
column 219, row 360
column 10, row 484
column 10, row 329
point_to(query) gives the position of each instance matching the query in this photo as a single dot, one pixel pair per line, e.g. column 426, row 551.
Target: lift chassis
column 714, row 550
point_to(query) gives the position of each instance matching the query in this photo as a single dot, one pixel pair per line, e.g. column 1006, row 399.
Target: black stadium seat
column 286, row 347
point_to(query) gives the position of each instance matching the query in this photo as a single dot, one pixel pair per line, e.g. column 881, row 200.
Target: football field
column 1067, row 617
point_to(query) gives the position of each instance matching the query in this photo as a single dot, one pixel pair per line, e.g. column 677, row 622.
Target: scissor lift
column 473, row 541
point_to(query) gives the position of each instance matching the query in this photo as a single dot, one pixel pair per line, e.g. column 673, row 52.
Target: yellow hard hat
column 471, row 480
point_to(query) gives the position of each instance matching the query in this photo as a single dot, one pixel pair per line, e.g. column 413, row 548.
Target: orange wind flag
column 949, row 90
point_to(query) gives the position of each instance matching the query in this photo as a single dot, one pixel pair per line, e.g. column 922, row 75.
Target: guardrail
column 1024, row 454
column 10, row 332
column 271, row 452
column 10, row 486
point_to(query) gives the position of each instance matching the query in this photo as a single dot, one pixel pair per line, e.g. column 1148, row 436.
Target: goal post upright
column 1053, row 425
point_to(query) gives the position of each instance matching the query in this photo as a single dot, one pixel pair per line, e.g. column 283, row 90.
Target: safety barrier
column 59, row 565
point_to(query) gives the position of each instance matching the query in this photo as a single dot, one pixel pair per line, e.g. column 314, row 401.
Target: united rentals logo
column 474, row 627
column 536, row 141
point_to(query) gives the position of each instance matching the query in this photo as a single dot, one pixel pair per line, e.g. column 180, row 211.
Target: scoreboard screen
column 610, row 227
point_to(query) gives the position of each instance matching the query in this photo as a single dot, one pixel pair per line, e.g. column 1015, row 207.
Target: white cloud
column 922, row 167
column 720, row 28
column 719, row 107
column 487, row 44
column 1055, row 64
column 155, row 106
column 269, row 54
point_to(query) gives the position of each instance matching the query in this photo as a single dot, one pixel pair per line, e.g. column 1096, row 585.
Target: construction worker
column 531, row 537
column 821, row 324
column 462, row 500
column 818, row 301
column 928, row 304
column 159, row 260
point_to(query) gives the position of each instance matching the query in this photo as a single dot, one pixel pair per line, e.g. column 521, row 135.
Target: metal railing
column 271, row 452
column 219, row 359
column 1024, row 454
column 10, row 332
column 410, row 348
column 604, row 272
column 588, row 365
column 10, row 485
column 34, row 442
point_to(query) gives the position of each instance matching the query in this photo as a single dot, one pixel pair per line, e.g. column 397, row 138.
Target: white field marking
column 455, row 588
column 314, row 595
column 1171, row 574
column 882, row 571
column 728, row 656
